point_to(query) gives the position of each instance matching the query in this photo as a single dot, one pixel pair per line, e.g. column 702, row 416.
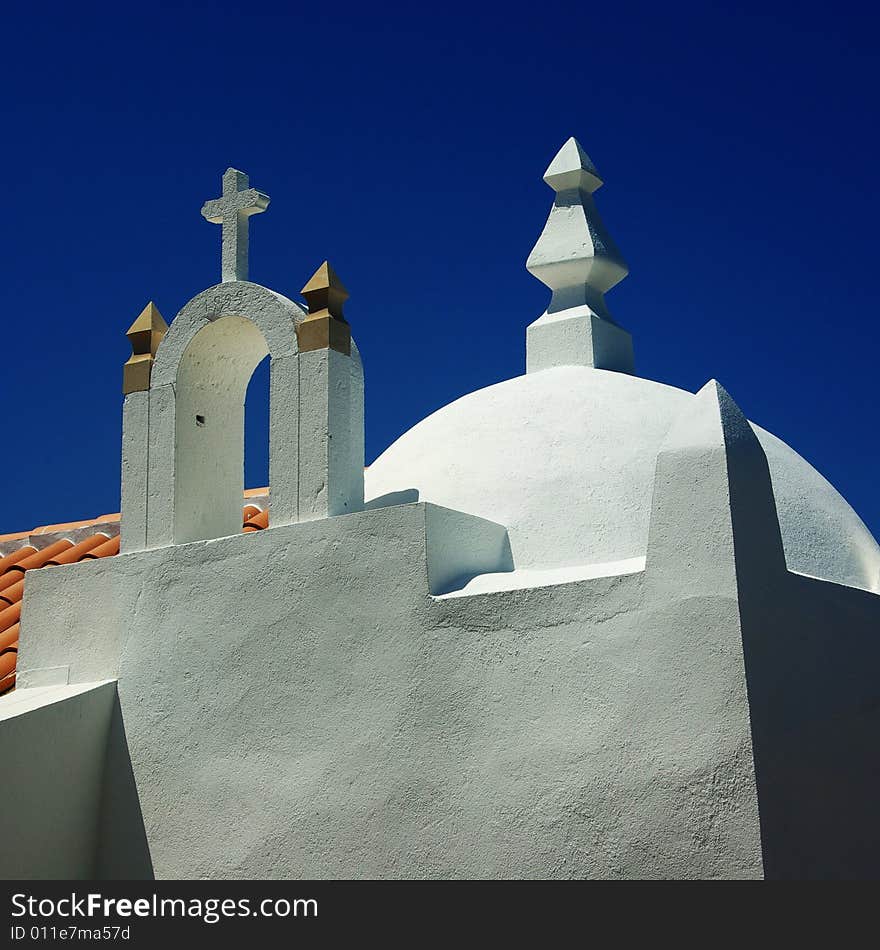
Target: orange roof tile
column 258, row 521
column 107, row 549
column 9, row 637
column 13, row 593
column 73, row 554
column 16, row 556
column 8, row 579
column 7, row 662
column 9, row 615
column 40, row 558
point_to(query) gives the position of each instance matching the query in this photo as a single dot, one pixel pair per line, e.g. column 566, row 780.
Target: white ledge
column 545, row 577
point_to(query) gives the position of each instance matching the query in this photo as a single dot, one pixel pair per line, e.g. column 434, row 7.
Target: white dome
column 565, row 459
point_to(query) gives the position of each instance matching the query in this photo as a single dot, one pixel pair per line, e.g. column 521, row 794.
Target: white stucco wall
column 325, row 433
column 565, row 458
column 577, row 337
column 53, row 742
column 208, row 445
column 309, row 701
column 183, row 441
column 296, row 703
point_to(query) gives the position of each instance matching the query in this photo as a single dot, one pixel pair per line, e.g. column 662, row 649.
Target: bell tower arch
column 185, row 387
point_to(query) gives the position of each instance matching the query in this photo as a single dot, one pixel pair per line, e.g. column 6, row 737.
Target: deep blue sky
column 406, row 143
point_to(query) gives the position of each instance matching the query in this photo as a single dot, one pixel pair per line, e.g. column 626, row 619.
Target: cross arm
column 213, row 211
column 251, row 201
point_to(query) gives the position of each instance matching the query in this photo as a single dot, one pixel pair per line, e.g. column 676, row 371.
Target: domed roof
column 565, row 459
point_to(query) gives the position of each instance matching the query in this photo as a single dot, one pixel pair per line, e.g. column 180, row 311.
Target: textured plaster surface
column 585, row 445
column 195, row 467
column 209, row 428
column 713, row 528
column 183, row 444
column 53, row 740
column 232, row 210
column 549, row 577
column 273, row 314
column 305, row 676
column 576, row 258
column 305, row 702
column 326, row 429
column 587, row 626
column 135, row 461
column 576, row 337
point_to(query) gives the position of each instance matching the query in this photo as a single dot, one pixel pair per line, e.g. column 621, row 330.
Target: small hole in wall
column 200, row 420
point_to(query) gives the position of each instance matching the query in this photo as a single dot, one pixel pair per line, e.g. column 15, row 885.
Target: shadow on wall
column 811, row 654
column 123, row 849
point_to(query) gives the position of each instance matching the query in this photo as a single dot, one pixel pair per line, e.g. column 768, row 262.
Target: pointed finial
column 325, row 326
column 576, row 258
column 145, row 335
column 325, row 291
column 572, row 168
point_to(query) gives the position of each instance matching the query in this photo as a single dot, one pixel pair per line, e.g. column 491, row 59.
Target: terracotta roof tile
column 257, row 522
column 14, row 593
column 40, row 558
column 7, row 662
column 9, row 615
column 9, row 637
column 71, row 555
column 16, row 556
column 8, row 579
column 106, row 549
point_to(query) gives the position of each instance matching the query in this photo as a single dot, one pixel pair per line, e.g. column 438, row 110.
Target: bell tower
column 185, row 386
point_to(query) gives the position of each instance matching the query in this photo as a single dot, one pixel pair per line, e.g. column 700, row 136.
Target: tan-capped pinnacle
column 145, row 335
column 325, row 327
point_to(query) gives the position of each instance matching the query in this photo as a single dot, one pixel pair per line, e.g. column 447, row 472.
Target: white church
column 577, row 624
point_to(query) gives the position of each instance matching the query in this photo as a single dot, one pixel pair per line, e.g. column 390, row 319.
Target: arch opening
column 256, row 428
column 211, row 386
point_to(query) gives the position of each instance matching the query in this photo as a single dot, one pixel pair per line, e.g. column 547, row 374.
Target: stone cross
column 232, row 210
